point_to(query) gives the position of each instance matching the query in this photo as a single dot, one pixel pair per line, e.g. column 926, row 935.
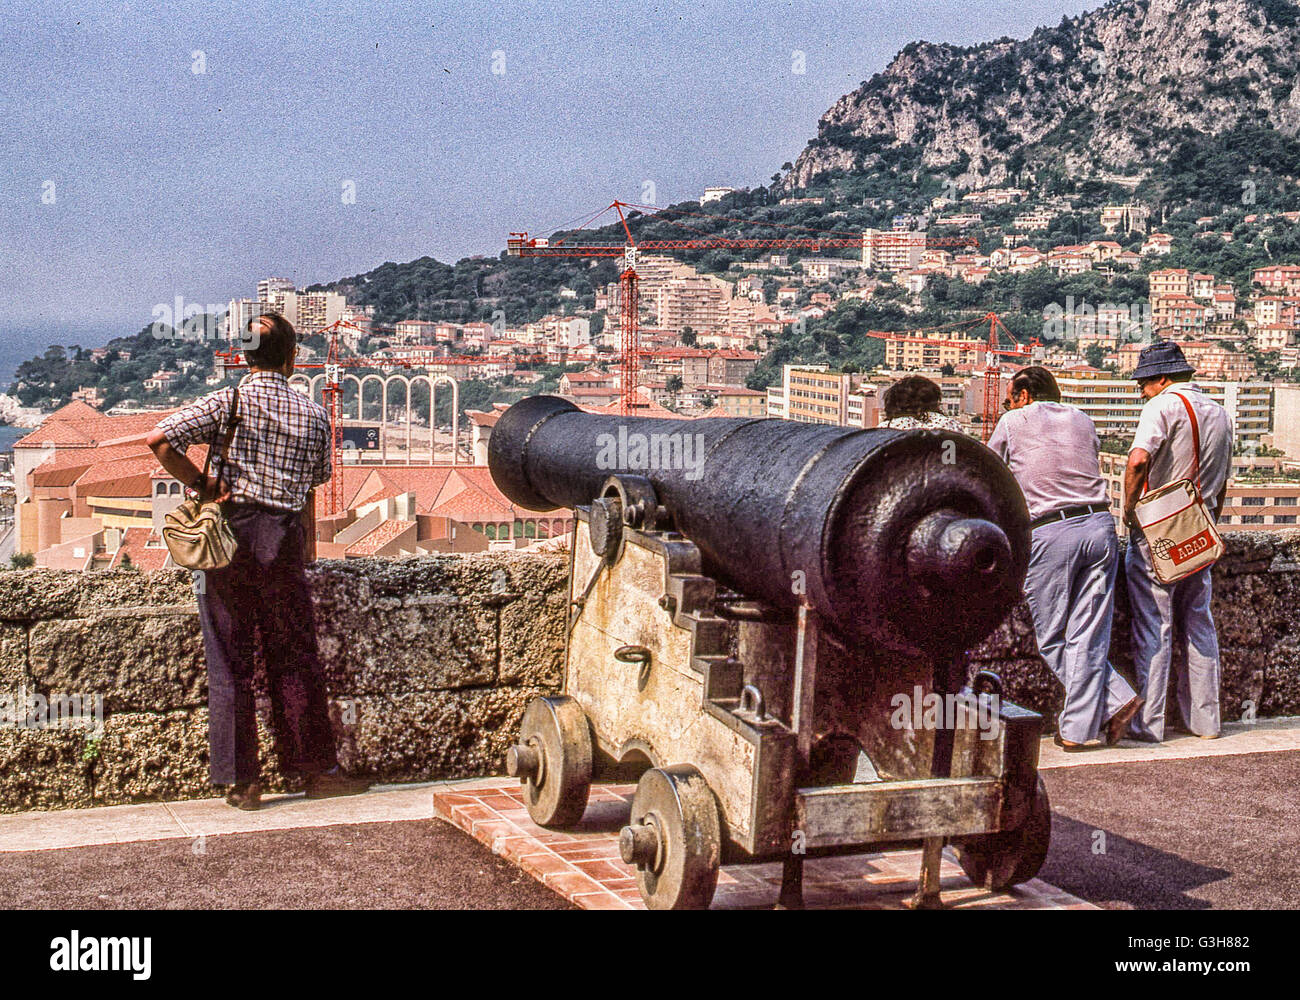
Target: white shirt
column 1052, row 450
column 1165, row 433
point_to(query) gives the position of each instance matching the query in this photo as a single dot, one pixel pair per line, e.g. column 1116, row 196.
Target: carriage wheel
column 674, row 838
column 1000, row 860
column 553, row 759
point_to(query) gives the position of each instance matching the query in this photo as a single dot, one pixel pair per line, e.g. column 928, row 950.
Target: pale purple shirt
column 1052, row 450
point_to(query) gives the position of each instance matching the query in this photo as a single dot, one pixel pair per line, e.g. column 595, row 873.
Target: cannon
column 769, row 623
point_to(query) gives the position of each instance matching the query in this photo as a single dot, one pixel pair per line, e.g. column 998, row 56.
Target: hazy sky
column 151, row 150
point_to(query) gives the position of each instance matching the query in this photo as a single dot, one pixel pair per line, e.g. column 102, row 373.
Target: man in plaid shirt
column 280, row 450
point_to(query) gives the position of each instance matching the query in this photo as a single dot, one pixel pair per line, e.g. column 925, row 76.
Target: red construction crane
column 521, row 245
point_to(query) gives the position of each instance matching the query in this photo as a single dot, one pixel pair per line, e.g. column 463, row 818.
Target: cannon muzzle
column 912, row 540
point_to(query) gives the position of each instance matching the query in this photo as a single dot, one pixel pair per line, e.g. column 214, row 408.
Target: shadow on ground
column 1208, row 832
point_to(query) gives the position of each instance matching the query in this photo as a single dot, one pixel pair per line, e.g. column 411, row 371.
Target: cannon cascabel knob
column 955, row 552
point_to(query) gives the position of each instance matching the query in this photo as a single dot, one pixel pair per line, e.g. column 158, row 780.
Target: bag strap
column 1196, row 442
column 232, row 421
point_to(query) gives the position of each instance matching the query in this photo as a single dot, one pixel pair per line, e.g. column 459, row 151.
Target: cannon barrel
column 914, row 540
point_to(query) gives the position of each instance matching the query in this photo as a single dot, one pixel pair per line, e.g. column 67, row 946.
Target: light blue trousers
column 1070, row 591
column 1163, row 617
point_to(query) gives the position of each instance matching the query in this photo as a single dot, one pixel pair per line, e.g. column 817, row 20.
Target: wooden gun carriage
column 755, row 607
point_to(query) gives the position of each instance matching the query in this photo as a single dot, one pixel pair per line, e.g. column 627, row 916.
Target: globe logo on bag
column 1161, row 547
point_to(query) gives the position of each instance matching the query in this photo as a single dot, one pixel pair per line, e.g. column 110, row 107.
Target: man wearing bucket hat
column 1177, row 614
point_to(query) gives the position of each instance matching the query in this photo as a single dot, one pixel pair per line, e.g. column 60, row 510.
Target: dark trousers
column 263, row 591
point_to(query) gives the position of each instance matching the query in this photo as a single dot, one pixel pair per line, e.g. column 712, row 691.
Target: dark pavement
column 415, row 864
column 1207, row 832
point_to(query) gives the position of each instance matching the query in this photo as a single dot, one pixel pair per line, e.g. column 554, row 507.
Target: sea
column 21, row 343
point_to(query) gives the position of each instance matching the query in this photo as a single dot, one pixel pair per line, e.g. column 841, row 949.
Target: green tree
column 22, row 560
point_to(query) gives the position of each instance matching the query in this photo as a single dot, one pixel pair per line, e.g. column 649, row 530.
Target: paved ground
column 1188, row 824
column 1210, row 832
column 408, row 864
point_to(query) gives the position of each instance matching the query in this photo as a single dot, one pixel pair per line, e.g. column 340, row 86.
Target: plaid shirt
column 280, row 450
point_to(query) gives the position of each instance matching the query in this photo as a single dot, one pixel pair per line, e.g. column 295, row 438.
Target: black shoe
column 246, row 796
column 327, row 786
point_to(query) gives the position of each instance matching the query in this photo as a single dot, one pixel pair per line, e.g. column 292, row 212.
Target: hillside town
column 85, row 492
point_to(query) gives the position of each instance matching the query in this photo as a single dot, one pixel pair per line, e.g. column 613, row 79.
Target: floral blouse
column 930, row 421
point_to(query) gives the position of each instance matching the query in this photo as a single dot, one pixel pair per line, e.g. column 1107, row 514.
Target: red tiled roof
column 431, row 484
column 134, row 544
column 642, row 405
column 383, row 533
column 77, row 424
column 473, row 504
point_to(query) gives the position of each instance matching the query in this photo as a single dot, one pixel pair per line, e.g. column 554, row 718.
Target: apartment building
column 1128, row 217
column 814, row 395
column 826, row 268
column 1033, row 221
column 1255, row 501
column 1180, row 315
column 1276, row 309
column 1286, row 418
column 700, row 302
column 1252, row 505
column 272, row 292
column 736, row 400
column 892, row 250
column 413, row 331
column 994, row 196
column 1171, row 281
column 909, row 352
column 1278, row 279
column 238, row 314
column 1275, row 336
column 1115, row 405
column 477, row 334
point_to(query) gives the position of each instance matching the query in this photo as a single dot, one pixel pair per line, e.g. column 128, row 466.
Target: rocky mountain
column 1124, row 89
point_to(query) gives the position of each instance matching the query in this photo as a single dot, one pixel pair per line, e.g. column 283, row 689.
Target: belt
column 236, row 505
column 1065, row 513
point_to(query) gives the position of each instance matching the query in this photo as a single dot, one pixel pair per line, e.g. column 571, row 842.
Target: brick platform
column 584, row 866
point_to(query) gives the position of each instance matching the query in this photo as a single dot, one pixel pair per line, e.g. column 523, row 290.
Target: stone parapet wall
column 430, row 662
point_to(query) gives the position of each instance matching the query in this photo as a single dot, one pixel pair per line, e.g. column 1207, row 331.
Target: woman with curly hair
column 914, row 403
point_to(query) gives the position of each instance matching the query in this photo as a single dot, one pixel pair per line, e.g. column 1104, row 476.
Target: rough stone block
column 13, row 657
column 439, row 734
column 146, row 757
column 532, row 640
column 43, row 769
column 428, row 643
column 1281, row 685
column 32, row 594
column 133, row 588
column 137, row 661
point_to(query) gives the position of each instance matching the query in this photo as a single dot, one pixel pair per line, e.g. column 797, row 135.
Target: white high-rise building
column 238, row 313
column 272, row 291
column 892, row 251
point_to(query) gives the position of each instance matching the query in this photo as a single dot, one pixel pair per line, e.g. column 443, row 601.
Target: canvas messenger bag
column 1174, row 520
column 196, row 532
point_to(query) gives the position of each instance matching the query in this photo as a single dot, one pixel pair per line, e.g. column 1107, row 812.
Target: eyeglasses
column 1006, row 404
